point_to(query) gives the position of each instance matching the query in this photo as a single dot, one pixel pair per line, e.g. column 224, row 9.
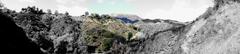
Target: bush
column 62, row 25
column 1, row 5
column 32, row 10
column 130, row 35
column 31, row 23
column 105, row 45
column 108, row 34
column 47, row 19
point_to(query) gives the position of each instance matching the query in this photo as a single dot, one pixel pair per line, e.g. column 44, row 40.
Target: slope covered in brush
column 217, row 32
column 214, row 32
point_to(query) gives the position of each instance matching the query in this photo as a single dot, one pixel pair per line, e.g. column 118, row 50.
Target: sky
column 180, row 10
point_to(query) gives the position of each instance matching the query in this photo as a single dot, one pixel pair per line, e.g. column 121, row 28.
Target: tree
column 32, row 10
column 130, row 35
column 40, row 11
column 106, row 16
column 66, row 13
column 95, row 16
column 49, row 11
column 86, row 13
column 6, row 10
column 56, row 12
column 1, row 5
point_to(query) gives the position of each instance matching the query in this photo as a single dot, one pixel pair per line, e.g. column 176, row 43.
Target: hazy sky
column 181, row 10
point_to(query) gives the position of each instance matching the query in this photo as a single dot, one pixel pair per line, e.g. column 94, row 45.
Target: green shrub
column 130, row 34
column 108, row 34
column 105, row 45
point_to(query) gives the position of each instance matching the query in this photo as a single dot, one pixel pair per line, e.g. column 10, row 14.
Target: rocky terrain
column 214, row 32
column 15, row 39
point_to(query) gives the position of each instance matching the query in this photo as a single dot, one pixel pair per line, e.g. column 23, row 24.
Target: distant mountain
column 127, row 18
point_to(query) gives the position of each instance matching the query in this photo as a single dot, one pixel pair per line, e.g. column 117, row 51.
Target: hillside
column 217, row 33
column 214, row 32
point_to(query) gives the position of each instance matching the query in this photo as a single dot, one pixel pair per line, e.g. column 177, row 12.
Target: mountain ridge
column 215, row 31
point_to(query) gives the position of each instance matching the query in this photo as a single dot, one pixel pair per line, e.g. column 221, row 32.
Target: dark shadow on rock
column 14, row 38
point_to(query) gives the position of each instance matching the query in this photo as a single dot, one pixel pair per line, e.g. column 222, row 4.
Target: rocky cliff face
column 214, row 32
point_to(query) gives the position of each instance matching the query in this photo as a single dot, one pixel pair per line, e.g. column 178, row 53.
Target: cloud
column 30, row 1
column 130, row 0
column 181, row 11
column 73, row 7
column 74, row 10
column 100, row 1
column 69, row 1
column 82, row 0
column 62, row 1
column 113, row 2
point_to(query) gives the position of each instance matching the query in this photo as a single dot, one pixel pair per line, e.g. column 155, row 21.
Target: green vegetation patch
column 102, row 39
column 106, row 44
